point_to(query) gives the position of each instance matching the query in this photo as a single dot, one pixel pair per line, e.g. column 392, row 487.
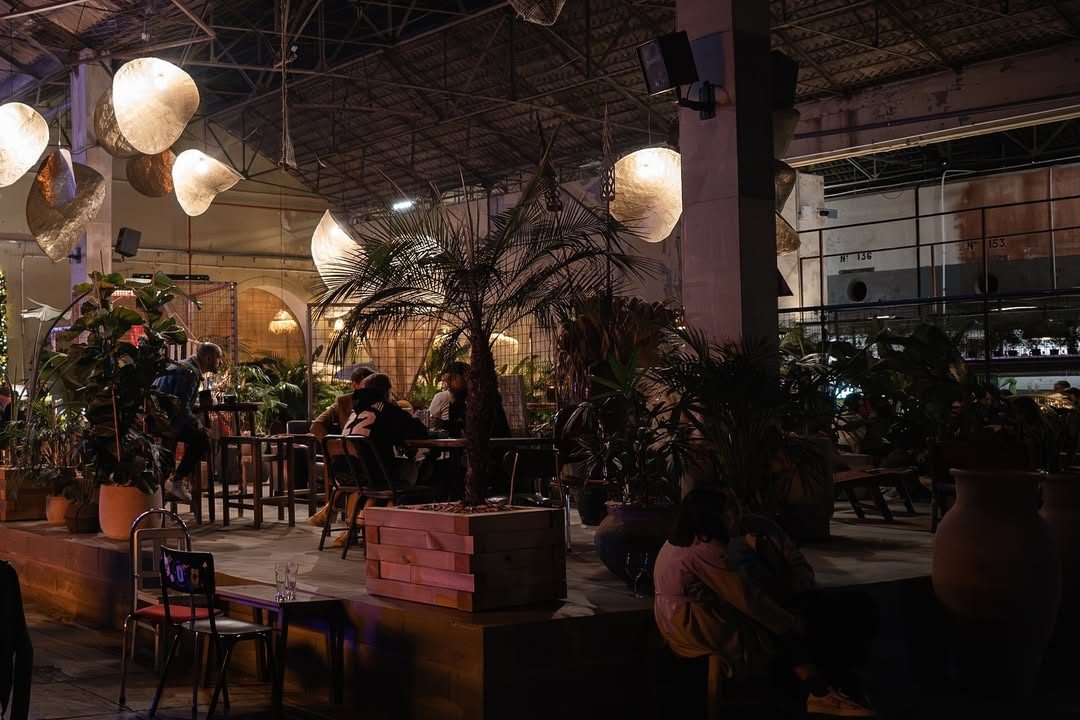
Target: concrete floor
column 77, row 671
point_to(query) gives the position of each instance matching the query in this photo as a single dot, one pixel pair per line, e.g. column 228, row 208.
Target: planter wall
column 1061, row 510
column 997, row 574
column 466, row 561
column 29, row 505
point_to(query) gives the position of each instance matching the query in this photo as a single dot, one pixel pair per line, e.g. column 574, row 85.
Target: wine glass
column 637, row 571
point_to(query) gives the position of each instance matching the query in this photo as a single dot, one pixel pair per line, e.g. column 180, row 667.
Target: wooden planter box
column 475, row 561
column 30, row 504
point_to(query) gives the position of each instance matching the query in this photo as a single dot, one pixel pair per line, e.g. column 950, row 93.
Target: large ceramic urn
column 629, row 538
column 119, row 505
column 1061, row 510
column 997, row 574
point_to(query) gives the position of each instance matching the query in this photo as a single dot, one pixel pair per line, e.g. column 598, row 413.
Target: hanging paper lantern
column 198, row 179
column 283, row 323
column 63, row 200
column 24, row 135
column 541, row 12
column 648, row 192
column 152, row 101
column 151, row 175
column 330, row 243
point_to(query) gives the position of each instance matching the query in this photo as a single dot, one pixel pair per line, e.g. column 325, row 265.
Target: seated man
column 182, row 381
column 439, row 408
column 331, row 420
column 458, row 385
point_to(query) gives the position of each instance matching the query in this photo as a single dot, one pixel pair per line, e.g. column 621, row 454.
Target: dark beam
column 900, row 15
column 805, row 58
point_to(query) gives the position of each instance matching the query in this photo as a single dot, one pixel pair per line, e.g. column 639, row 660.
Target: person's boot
column 321, row 517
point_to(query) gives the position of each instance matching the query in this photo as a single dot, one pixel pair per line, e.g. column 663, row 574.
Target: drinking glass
column 637, row 571
column 291, row 571
column 280, row 581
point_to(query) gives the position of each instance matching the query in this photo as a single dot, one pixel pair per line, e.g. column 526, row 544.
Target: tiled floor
column 77, row 671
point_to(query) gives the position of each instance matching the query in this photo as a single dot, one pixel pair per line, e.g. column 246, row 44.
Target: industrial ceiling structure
column 396, row 97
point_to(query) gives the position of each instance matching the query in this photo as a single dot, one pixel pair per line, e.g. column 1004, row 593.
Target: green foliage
column 729, row 394
column 440, row 357
column 280, row 386
column 45, row 445
column 595, row 329
column 642, row 454
column 432, row 264
column 110, row 375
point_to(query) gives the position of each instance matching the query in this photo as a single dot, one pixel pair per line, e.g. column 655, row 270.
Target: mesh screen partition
column 414, row 357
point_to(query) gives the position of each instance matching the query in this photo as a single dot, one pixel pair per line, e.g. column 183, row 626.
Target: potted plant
column 480, row 277
column 628, row 441
column 121, row 349
column 43, row 443
column 729, row 393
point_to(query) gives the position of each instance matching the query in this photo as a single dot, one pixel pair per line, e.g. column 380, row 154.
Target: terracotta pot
column 119, row 505
column 56, row 507
column 634, row 532
column 82, row 518
column 807, row 511
column 1061, row 510
column 997, row 573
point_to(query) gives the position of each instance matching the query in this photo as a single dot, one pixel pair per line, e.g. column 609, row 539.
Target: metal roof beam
column 920, row 36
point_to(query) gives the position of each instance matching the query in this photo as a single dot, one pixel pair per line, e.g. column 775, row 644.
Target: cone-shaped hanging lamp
column 151, row 175
column 153, row 100
column 540, row 12
column 648, row 192
column 24, row 134
column 63, row 200
column 198, row 178
column 330, row 243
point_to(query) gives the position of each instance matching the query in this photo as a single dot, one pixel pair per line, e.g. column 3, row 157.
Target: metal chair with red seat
column 144, row 545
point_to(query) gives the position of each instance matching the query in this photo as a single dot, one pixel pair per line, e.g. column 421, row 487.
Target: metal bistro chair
column 539, row 465
column 192, row 574
column 145, row 544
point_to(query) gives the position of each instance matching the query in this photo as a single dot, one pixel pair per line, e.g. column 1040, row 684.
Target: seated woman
column 704, row 606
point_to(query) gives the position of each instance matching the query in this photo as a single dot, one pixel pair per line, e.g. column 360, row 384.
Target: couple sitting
column 369, row 412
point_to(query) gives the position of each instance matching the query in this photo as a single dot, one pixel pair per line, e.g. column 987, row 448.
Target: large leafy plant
column 641, row 454
column 478, row 275
column 122, row 346
column 729, row 394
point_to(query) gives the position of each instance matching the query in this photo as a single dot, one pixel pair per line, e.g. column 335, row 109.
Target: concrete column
column 88, row 83
column 728, row 241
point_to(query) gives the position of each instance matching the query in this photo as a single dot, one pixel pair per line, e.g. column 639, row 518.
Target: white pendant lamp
column 283, row 323
column 153, row 100
column 198, row 179
column 24, row 134
column 648, row 192
column 330, row 243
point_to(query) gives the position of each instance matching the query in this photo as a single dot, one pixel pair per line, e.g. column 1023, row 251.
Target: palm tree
column 445, row 265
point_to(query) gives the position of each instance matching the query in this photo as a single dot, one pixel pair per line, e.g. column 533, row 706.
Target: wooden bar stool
column 282, row 493
column 237, row 501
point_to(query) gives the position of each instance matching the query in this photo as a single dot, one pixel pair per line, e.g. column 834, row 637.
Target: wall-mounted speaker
column 127, row 242
column 667, row 62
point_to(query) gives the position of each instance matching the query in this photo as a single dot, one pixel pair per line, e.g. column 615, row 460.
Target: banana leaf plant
column 480, row 276
column 122, row 346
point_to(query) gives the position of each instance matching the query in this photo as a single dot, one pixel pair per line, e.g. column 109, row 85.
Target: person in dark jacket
column 16, row 649
column 377, row 417
column 182, row 380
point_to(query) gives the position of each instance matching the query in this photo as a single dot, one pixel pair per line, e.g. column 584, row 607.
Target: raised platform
column 409, row 660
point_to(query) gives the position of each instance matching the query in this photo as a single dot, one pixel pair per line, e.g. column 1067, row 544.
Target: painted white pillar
column 88, row 83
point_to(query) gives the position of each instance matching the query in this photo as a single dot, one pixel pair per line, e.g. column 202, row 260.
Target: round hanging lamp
column 198, row 179
column 283, row 323
column 330, row 243
column 63, row 200
column 151, row 175
column 24, row 135
column 648, row 192
column 153, row 100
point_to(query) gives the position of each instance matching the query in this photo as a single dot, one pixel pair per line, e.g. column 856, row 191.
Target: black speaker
column 667, row 62
column 785, row 79
column 127, row 242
